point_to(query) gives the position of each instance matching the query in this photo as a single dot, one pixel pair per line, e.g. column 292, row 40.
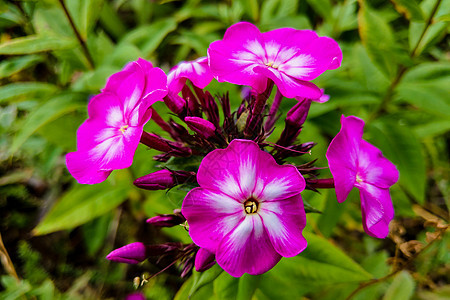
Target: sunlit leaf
column 83, row 203
column 35, row 43
column 401, row 288
column 49, row 111
column 20, row 91
column 409, row 8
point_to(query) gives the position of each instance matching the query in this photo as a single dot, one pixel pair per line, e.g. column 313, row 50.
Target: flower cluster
column 244, row 210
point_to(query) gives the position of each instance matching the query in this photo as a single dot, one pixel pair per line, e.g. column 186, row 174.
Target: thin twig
column 79, row 38
column 6, row 261
column 401, row 268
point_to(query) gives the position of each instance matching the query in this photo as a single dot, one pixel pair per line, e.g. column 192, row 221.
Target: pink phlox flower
column 290, row 57
column 248, row 210
column 356, row 163
column 108, row 139
column 196, row 71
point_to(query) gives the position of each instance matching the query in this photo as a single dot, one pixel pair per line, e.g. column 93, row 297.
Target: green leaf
column 322, row 8
column 402, row 287
column 83, row 203
column 204, row 278
column 90, row 13
column 409, row 8
column 148, row 37
column 320, row 265
column 35, row 43
column 422, row 38
column 377, row 37
column 47, row 112
column 20, row 91
column 14, row 65
column 401, row 146
column 430, row 96
column 432, row 129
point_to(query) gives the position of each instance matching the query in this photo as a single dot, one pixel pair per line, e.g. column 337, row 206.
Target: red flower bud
column 204, row 260
column 203, row 127
column 130, row 254
column 159, row 180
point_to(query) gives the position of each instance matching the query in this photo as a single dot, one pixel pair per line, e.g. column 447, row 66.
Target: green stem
column 402, row 70
column 78, row 35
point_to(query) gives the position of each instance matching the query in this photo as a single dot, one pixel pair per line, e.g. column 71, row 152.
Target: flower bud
column 204, row 260
column 167, row 220
column 130, row 254
column 203, row 127
column 159, row 180
column 175, row 103
column 296, row 116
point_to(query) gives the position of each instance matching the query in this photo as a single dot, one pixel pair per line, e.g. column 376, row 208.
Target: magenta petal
column 211, row 216
column 196, row 71
column 377, row 210
column 375, row 168
column 131, row 254
column 247, row 249
column 155, row 86
column 284, row 221
column 290, row 87
column 83, row 169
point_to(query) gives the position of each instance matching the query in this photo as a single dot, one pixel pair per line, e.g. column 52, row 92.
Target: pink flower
column 196, row 71
column 290, row 57
column 248, row 210
column 108, row 139
column 356, row 163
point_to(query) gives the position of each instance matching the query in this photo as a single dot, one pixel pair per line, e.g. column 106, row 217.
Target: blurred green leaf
column 428, row 96
column 320, row 265
column 432, row 129
column 89, row 15
column 112, row 23
column 401, row 288
column 401, row 146
column 47, row 112
column 20, row 91
column 323, row 8
column 202, row 279
column 377, row 37
column 148, row 37
column 232, row 288
column 13, row 65
column 421, row 37
column 36, row 43
column 83, row 203
column 409, row 8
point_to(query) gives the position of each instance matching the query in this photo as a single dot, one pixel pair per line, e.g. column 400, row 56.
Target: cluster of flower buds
column 244, row 210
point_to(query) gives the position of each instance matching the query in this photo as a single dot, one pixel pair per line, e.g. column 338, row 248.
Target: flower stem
column 273, row 111
column 255, row 117
column 83, row 45
column 402, row 70
column 6, row 261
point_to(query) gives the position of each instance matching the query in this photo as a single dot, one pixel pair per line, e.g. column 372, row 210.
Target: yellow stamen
column 251, row 206
column 123, row 128
column 358, row 178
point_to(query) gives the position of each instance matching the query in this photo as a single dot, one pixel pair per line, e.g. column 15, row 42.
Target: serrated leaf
column 83, row 203
column 14, row 65
column 409, row 8
column 36, row 43
column 401, row 146
column 20, row 91
column 401, row 288
column 47, row 112
column 377, row 37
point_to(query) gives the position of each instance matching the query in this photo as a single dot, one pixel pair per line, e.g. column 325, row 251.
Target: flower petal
column 342, row 155
column 290, row 87
column 83, row 169
column 377, row 210
column 211, row 216
column 247, row 249
column 377, row 170
column 196, row 71
column 284, row 221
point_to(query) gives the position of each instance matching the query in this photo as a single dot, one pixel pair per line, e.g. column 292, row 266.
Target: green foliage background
column 395, row 75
